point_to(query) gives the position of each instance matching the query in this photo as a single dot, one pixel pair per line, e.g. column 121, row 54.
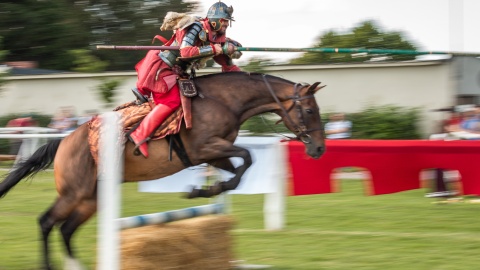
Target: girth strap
column 175, row 143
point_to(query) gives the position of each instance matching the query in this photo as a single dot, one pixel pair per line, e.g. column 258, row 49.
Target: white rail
column 109, row 193
column 32, row 138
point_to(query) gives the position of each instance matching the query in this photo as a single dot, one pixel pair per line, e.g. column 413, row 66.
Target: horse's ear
column 314, row 87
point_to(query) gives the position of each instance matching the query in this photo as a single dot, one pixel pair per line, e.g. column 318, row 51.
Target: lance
column 136, row 48
column 317, row 50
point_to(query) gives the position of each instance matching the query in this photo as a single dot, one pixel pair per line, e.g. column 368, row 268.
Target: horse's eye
column 310, row 111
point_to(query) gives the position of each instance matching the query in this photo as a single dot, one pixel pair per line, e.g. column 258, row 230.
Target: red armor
column 157, row 80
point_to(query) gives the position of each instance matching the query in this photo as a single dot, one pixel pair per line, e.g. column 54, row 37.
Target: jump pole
column 109, row 192
column 169, row 216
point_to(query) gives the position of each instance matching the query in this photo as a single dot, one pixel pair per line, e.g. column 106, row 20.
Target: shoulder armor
column 191, row 35
column 203, row 35
column 197, row 26
column 195, row 20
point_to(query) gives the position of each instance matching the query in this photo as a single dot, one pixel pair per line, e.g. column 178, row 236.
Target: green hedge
column 42, row 119
column 387, row 122
column 377, row 122
column 264, row 124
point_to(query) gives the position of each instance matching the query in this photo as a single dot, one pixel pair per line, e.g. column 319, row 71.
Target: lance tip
column 100, row 47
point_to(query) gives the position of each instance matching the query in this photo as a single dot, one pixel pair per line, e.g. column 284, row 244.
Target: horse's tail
column 40, row 160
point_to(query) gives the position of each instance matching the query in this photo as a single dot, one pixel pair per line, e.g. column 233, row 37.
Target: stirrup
column 136, row 151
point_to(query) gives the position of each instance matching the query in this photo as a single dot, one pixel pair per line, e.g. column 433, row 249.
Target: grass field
column 345, row 230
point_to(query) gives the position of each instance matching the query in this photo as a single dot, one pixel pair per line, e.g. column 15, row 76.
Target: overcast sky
column 298, row 23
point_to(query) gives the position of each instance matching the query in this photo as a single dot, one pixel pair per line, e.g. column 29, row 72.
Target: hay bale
column 197, row 243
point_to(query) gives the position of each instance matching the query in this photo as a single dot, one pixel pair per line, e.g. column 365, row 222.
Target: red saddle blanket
column 130, row 115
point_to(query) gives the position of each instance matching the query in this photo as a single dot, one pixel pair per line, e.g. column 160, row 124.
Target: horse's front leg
column 222, row 162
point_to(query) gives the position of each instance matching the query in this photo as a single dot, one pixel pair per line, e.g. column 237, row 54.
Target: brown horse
column 224, row 102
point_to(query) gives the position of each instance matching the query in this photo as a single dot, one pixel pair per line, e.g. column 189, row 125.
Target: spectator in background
column 26, row 121
column 337, row 127
column 452, row 122
column 477, row 110
column 89, row 114
column 64, row 120
column 471, row 120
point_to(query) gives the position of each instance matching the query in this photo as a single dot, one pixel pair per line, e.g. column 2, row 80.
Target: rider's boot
column 150, row 123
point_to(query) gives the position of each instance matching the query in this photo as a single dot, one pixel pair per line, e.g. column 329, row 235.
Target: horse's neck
column 258, row 98
column 249, row 97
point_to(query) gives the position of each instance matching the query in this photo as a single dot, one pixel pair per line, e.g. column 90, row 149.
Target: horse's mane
column 253, row 75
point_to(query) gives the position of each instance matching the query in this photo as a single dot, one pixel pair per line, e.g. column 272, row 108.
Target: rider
column 157, row 72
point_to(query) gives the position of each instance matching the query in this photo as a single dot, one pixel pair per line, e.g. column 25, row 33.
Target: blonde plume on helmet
column 175, row 21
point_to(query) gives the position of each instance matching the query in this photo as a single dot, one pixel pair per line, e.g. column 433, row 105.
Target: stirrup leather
column 136, row 150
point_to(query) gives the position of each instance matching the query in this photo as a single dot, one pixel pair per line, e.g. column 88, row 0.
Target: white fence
column 109, row 194
column 32, row 138
column 267, row 175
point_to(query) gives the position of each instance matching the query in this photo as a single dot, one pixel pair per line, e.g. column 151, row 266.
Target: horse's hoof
column 193, row 194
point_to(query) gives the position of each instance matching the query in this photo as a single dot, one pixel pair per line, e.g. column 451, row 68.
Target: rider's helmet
column 217, row 12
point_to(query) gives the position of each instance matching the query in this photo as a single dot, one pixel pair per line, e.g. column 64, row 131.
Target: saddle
column 131, row 114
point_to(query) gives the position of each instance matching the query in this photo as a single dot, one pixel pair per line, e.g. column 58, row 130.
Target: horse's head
column 301, row 115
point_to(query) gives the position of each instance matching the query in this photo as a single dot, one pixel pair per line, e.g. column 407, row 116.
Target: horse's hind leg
column 81, row 214
column 56, row 214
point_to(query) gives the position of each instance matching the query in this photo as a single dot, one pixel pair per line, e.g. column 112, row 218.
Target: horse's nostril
column 320, row 149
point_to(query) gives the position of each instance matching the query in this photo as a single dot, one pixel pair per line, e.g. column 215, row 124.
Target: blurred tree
column 129, row 22
column 107, row 91
column 257, row 64
column 3, row 52
column 45, row 31
column 42, row 31
column 84, row 61
column 3, row 72
column 366, row 36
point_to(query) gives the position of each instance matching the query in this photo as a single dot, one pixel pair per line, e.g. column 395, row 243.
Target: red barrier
column 395, row 165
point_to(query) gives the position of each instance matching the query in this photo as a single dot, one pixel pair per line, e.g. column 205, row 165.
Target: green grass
column 345, row 230
column 6, row 164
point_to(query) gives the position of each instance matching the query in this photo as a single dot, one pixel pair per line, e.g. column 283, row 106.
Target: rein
column 300, row 130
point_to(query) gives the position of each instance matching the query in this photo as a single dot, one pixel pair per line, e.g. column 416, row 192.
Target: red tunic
column 155, row 76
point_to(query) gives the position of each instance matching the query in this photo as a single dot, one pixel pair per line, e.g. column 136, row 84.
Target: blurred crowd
column 464, row 118
column 65, row 119
column 338, row 127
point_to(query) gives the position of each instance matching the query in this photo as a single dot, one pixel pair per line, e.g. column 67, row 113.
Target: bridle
column 300, row 130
